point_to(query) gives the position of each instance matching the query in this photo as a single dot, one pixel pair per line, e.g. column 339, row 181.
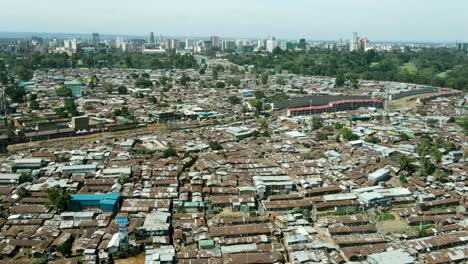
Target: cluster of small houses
column 257, row 200
column 284, row 198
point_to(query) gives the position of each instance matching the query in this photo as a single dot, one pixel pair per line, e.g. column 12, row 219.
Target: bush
column 220, row 85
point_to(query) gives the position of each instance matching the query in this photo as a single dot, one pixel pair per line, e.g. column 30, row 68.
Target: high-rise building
column 150, row 38
column 271, row 44
column 119, row 42
column 302, row 44
column 172, row 43
column 70, row 44
column 354, row 42
column 95, row 40
column 189, row 44
column 215, row 42
column 228, row 45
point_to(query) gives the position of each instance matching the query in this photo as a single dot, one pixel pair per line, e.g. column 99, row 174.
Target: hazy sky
column 426, row 20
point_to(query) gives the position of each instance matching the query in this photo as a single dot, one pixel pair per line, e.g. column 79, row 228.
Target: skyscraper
column 354, row 42
column 271, row 44
column 150, row 38
column 172, row 43
column 95, row 40
column 302, row 44
column 215, row 42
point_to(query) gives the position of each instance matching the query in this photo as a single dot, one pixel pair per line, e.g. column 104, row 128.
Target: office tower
column 70, row 44
column 150, row 38
column 215, row 42
column 189, row 44
column 119, row 42
column 95, row 40
column 302, row 44
column 354, row 42
column 271, row 44
column 363, row 44
column 172, row 43
column 228, row 45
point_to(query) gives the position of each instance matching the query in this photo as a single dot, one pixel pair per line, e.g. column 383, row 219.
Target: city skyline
column 316, row 20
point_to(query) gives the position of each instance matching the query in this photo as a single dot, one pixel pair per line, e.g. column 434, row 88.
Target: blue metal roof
column 94, row 197
column 111, row 195
column 87, row 197
column 110, row 202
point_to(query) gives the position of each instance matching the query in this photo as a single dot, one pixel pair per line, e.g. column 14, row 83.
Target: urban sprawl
column 206, row 160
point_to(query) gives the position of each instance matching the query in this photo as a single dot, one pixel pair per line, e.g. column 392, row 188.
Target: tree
column 58, row 198
column 143, row 83
column 71, row 107
column 317, row 122
column 233, row 81
column 25, row 177
column 23, row 73
column 122, row 90
column 16, row 94
column 280, row 81
column 426, row 167
column 348, row 135
column 184, row 79
column 153, row 100
column 215, row 145
column 63, row 92
column 214, row 74
column 220, row 85
column 406, row 164
column 202, row 69
column 340, row 79
column 373, row 140
column 264, row 77
column 431, row 122
column 170, row 152
column 234, row 100
column 321, row 136
column 34, row 105
column 263, row 123
column 65, row 249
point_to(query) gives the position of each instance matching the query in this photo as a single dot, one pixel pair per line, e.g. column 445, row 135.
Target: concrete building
column 80, row 123
column 150, row 39
column 105, row 202
column 271, row 44
column 75, row 87
column 379, row 175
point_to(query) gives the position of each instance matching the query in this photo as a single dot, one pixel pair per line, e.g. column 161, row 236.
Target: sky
column 393, row 20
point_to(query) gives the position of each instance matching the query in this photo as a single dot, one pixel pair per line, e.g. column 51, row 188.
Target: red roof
column 331, row 104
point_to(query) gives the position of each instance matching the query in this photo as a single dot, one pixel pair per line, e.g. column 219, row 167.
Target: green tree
column 348, row 134
column 170, row 151
column 71, row 107
column 317, row 122
column 65, row 249
column 63, row 92
column 25, row 177
column 263, row 123
column 215, row 145
column 264, row 77
column 220, row 85
column 214, row 74
column 122, row 90
column 58, row 198
column 34, row 105
column 153, row 99
column 340, row 79
column 234, row 100
column 24, row 74
column 280, row 81
column 406, row 164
